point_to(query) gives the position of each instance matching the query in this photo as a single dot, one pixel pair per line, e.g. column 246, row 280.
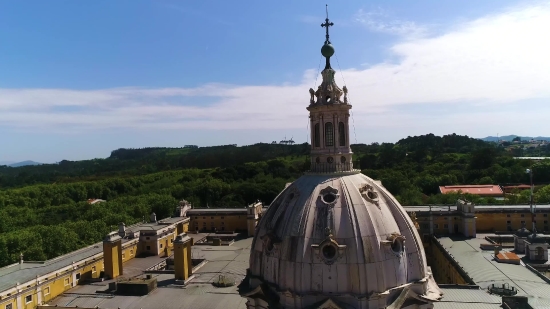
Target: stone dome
column 341, row 238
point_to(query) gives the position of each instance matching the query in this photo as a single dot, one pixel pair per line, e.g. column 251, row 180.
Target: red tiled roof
column 487, row 190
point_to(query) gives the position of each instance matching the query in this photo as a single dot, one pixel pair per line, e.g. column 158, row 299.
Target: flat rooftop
column 199, row 293
column 467, row 298
column 21, row 273
column 484, row 270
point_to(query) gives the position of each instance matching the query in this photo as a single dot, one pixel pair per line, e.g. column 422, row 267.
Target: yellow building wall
column 129, row 252
column 490, row 222
column 485, row 221
column 33, row 303
column 444, row 271
column 167, row 243
column 4, row 303
column 151, row 243
column 219, row 222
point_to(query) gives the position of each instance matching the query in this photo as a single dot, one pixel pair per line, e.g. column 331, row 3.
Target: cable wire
column 344, row 80
column 318, row 70
column 316, row 78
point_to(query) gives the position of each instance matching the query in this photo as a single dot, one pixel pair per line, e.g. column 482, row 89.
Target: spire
column 326, row 25
column 327, row 50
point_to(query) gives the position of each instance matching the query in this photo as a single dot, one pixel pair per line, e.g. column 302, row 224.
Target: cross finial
column 327, row 24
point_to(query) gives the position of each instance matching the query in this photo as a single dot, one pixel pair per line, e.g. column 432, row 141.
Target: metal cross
column 327, row 24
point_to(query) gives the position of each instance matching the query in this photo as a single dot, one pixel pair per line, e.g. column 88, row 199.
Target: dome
column 523, row 232
column 536, row 238
column 341, row 238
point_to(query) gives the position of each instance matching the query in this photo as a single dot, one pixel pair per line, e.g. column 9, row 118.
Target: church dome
column 336, row 238
column 342, row 238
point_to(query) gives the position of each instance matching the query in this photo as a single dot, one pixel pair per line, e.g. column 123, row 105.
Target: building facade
column 28, row 284
column 225, row 219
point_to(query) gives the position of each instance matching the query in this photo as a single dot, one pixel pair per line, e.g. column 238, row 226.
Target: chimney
column 153, row 218
column 21, row 258
column 121, row 229
column 497, row 250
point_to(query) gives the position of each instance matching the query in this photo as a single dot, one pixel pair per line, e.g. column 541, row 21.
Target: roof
column 199, row 211
column 467, row 298
column 22, row 273
column 198, row 293
column 490, row 190
column 159, row 225
column 484, row 270
column 478, row 208
column 508, row 257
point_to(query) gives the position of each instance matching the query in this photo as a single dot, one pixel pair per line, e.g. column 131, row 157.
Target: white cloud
column 378, row 21
column 493, row 62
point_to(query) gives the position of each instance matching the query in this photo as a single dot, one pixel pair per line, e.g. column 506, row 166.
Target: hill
column 24, row 163
column 44, row 211
column 509, row 138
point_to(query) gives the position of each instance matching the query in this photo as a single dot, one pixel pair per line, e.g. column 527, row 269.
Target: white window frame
column 47, row 288
column 28, row 301
column 66, row 281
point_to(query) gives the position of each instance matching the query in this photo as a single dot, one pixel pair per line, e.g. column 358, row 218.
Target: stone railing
column 329, row 168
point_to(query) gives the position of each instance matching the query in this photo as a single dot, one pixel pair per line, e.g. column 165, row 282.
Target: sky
column 79, row 79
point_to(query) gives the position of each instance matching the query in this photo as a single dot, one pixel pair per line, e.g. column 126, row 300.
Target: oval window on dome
column 329, row 252
column 397, row 246
column 269, row 245
column 372, row 195
column 329, row 198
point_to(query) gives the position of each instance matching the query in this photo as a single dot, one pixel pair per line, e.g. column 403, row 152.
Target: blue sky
column 81, row 78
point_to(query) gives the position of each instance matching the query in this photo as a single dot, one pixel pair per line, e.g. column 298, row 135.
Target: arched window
column 342, row 134
column 317, row 137
column 329, row 134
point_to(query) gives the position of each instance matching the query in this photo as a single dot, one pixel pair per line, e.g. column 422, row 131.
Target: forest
column 44, row 210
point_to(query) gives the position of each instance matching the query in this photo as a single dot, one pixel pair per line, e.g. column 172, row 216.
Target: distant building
column 95, row 201
column 532, row 158
column 480, row 190
column 225, row 219
column 451, row 219
column 510, row 189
